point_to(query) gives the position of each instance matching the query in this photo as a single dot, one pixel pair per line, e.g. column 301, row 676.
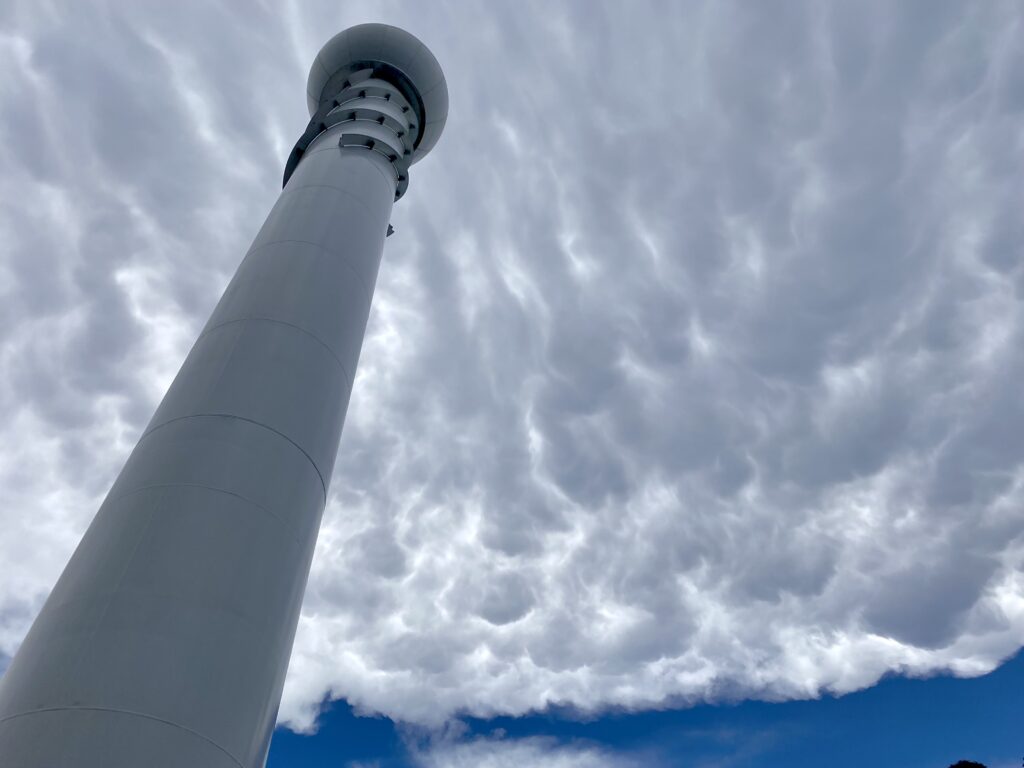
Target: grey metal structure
column 166, row 640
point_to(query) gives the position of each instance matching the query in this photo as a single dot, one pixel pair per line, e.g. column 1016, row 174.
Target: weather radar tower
column 166, row 640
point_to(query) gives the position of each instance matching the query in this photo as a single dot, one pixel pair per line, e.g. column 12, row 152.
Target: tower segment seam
column 130, row 713
column 318, row 185
column 328, row 147
column 302, row 450
column 140, row 489
column 323, row 248
column 299, row 328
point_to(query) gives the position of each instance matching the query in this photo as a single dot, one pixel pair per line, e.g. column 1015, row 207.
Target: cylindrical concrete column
column 166, row 640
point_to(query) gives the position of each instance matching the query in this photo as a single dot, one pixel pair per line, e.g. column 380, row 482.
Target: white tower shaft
column 166, row 640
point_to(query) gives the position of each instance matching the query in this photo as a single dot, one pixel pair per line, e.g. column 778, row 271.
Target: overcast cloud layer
column 693, row 370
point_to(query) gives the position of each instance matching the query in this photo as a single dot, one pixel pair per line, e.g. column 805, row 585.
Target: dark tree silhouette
column 966, row 764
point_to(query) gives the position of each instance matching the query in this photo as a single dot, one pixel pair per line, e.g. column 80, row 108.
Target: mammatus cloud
column 693, row 368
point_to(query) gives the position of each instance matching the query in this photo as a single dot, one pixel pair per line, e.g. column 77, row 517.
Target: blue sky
column 898, row 723
column 692, row 373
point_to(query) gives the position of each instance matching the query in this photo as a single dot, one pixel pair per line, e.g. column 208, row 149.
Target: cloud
column 510, row 753
column 692, row 372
